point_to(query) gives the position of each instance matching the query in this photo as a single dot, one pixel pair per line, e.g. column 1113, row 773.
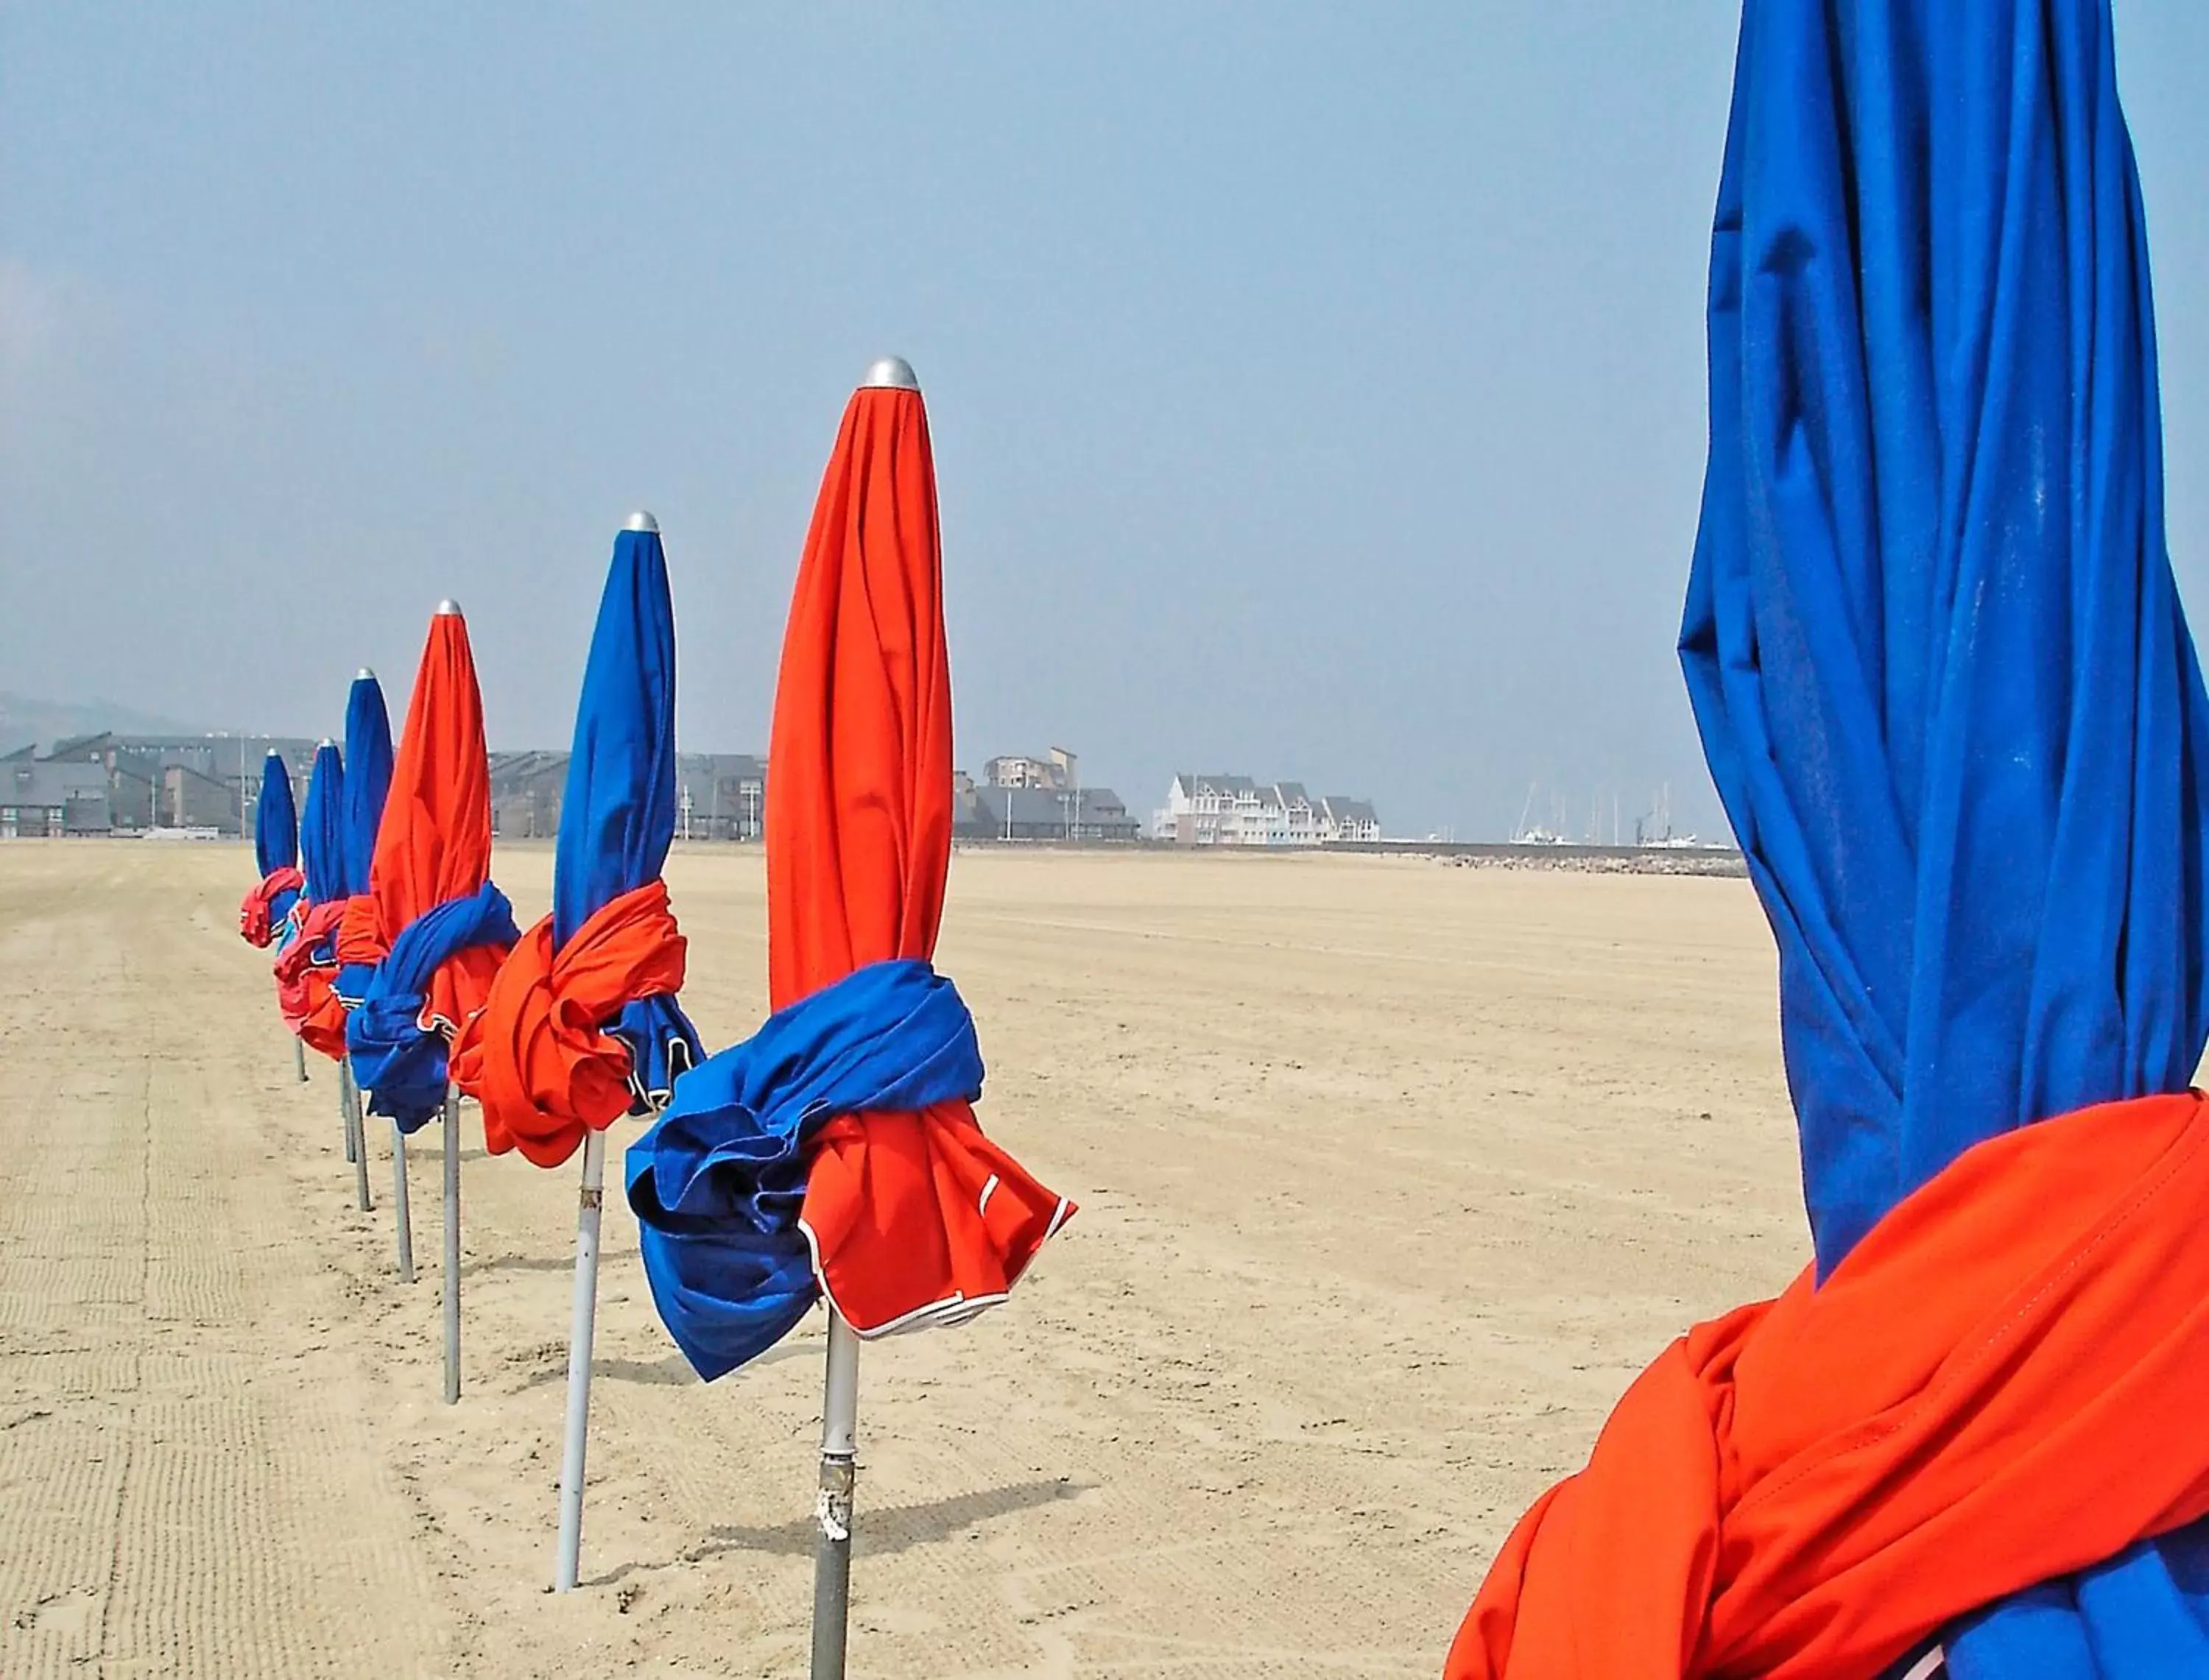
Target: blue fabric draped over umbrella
column 617, row 811
column 322, row 828
column 718, row 1183
column 398, row 1060
column 1933, row 643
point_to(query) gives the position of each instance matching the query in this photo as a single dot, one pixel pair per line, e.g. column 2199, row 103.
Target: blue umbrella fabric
column 1934, row 644
column 580, row 1025
column 368, row 781
column 617, row 810
column 276, row 819
column 322, row 828
column 368, row 775
column 269, row 901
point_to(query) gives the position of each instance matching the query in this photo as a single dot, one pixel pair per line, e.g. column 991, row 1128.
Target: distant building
column 42, row 799
column 718, row 796
column 1059, row 772
column 1240, row 811
column 185, row 781
column 1042, row 814
column 525, row 794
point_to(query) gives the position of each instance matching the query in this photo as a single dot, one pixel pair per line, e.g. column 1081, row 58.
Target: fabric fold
column 304, row 968
column 719, row 1182
column 550, row 1055
column 398, row 1036
column 266, row 903
column 2000, row 1384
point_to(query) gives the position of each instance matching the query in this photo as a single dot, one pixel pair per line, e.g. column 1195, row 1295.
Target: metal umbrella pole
column 832, row 1507
column 345, row 1109
column 401, row 1212
column 582, row 1327
column 356, row 1132
column 451, row 1244
column 299, row 1058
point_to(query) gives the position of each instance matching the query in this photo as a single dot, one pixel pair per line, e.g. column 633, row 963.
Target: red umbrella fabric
column 437, row 925
column 836, row 1151
column 913, row 1218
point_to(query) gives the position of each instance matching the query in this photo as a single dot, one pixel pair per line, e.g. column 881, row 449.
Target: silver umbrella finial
column 363, row 675
column 448, row 608
column 641, row 521
column 892, row 373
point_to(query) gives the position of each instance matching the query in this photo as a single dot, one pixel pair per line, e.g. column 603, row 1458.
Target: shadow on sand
column 890, row 1528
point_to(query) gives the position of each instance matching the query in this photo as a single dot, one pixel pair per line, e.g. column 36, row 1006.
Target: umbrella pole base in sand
column 344, row 1109
column 833, row 1508
column 401, row 1213
column 452, row 1245
column 299, row 1058
column 582, row 1329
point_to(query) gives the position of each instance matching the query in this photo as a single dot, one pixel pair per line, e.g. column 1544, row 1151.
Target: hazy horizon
column 1317, row 394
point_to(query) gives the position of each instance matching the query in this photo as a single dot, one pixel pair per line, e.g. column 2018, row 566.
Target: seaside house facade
column 1229, row 809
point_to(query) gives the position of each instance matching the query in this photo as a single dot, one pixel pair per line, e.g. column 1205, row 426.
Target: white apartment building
column 1240, row 811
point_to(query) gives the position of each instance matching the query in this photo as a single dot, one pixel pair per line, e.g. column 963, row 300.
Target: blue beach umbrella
column 276, row 819
column 1934, row 644
column 368, row 775
column 605, row 964
column 617, row 811
column 322, row 828
column 368, row 781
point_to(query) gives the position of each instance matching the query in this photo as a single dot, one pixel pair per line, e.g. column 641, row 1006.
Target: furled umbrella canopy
column 440, row 925
column 322, row 828
column 276, row 855
column 368, row 775
column 837, row 1149
column 1949, row 699
column 368, row 784
column 581, row 1025
column 307, row 963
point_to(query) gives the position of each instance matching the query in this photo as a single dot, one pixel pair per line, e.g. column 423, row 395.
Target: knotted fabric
column 397, row 1038
column 718, row 1183
column 264, row 907
column 2001, row 1383
column 304, row 968
column 549, row 1056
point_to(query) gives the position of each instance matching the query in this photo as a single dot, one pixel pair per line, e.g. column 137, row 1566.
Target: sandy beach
column 1392, row 1175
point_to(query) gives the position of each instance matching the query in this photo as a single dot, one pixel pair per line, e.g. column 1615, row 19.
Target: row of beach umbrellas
column 832, row 1157
column 1935, row 652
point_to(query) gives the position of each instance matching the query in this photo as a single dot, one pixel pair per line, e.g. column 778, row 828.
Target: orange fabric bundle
column 537, row 1057
column 256, row 911
column 2000, row 1384
column 303, row 985
column 360, row 938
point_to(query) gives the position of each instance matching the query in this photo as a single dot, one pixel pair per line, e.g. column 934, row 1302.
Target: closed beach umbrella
column 276, row 855
column 368, row 781
column 368, row 775
column 1950, row 701
column 322, row 829
column 581, row 1025
column 836, row 1151
column 307, row 963
column 439, row 924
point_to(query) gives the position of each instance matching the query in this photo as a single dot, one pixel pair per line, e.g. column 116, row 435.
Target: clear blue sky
column 1318, row 390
